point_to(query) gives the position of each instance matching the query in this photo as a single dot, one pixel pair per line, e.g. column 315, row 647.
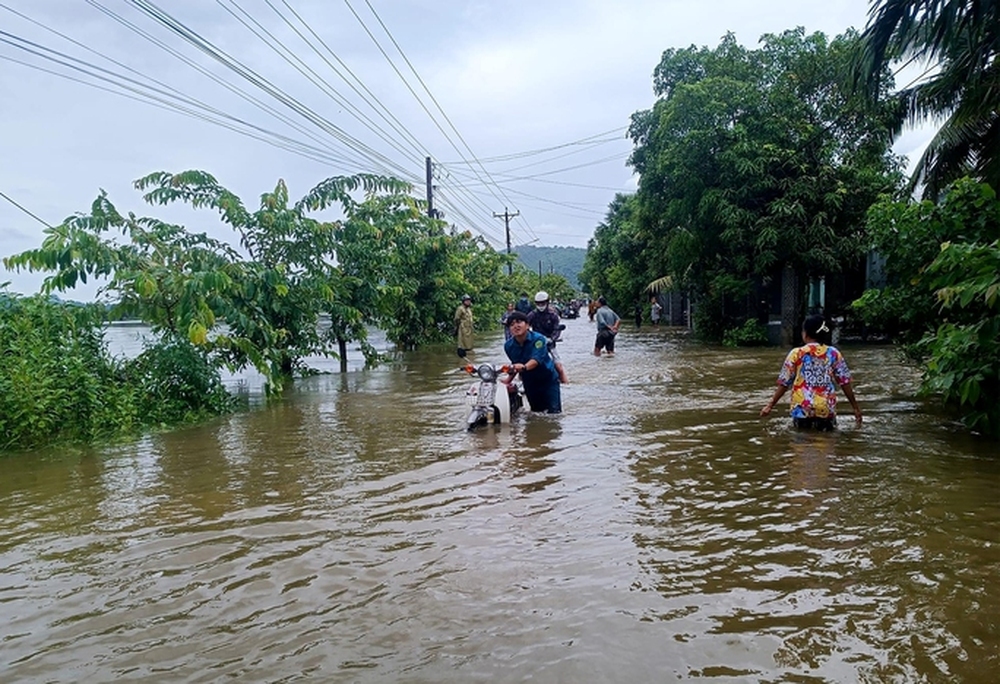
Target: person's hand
column 857, row 417
column 766, row 411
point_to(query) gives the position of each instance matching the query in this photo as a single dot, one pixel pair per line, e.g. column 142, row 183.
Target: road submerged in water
column 657, row 530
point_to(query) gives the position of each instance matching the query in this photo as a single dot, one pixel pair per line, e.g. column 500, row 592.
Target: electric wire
column 410, row 88
column 388, row 116
column 507, row 179
column 367, row 96
column 193, row 38
column 162, row 17
column 167, row 97
column 438, row 105
column 588, row 141
column 34, row 216
column 140, row 94
column 310, row 74
column 239, row 92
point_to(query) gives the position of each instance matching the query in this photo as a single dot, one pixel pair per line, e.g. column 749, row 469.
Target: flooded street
column 658, row 530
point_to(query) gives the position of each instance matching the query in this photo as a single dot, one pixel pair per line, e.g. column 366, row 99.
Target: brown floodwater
column 658, row 530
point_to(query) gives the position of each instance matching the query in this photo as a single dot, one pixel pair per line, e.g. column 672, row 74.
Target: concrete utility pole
column 430, row 188
column 507, row 216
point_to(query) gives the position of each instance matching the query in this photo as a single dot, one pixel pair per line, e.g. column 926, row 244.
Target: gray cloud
column 510, row 77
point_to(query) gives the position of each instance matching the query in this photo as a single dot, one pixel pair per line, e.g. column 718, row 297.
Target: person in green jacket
column 463, row 325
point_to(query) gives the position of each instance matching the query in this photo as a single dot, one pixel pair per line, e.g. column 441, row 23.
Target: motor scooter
column 494, row 400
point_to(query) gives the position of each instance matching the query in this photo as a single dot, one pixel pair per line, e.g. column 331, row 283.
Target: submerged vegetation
column 298, row 285
column 59, row 384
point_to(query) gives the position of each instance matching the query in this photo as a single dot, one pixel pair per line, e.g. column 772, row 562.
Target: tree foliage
column 616, row 255
column 58, row 383
column 959, row 43
column 295, row 286
column 941, row 297
column 753, row 159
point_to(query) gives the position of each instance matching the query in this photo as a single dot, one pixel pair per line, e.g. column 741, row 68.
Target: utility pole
column 430, row 188
column 507, row 216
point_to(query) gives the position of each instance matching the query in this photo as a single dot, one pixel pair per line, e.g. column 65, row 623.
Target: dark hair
column 816, row 327
column 516, row 316
column 601, row 300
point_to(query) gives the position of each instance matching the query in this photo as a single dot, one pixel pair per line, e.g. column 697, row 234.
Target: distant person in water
column 607, row 327
column 504, row 318
column 523, row 305
column 813, row 372
column 464, row 326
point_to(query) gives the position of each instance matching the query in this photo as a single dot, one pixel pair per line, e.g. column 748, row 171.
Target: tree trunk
column 342, row 350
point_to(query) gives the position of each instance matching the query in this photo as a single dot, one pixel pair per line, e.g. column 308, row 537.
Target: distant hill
column 566, row 261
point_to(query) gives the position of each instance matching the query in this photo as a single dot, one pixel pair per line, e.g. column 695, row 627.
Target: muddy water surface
column 657, row 530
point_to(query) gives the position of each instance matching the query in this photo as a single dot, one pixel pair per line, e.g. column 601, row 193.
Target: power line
column 42, row 221
column 158, row 97
column 374, row 157
column 420, row 80
column 387, row 116
column 589, row 141
column 288, row 56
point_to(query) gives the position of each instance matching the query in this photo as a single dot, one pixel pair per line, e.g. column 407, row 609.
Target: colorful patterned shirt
column 814, row 371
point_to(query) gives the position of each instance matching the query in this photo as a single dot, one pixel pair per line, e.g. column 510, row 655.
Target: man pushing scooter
column 528, row 352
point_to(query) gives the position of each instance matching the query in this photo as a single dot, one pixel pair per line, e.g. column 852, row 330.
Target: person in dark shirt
column 545, row 320
column 523, row 305
column 528, row 352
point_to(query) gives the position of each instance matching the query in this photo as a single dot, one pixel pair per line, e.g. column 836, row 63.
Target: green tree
column 293, row 268
column 431, row 270
column 616, row 255
column 754, row 159
column 59, row 383
column 959, row 40
column 941, row 296
column 299, row 267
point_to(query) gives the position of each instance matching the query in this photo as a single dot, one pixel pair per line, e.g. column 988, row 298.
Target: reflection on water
column 657, row 530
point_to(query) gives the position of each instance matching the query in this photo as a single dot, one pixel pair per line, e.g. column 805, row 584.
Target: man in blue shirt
column 528, row 352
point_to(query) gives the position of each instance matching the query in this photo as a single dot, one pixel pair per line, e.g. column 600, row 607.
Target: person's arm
column 779, row 392
column 849, row 393
column 538, row 356
column 842, row 375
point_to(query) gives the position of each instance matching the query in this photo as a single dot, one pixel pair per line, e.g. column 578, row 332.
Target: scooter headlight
column 487, row 372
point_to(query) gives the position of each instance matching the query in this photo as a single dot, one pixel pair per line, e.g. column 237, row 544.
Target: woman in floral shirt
column 814, row 371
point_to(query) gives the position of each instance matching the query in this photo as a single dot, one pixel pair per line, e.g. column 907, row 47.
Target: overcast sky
column 523, row 104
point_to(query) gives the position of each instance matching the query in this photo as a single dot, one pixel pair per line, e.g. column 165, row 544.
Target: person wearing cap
column 529, row 355
column 463, row 325
column 813, row 372
column 607, row 327
column 545, row 320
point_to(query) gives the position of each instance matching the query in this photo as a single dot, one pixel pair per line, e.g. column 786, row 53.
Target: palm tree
column 959, row 41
